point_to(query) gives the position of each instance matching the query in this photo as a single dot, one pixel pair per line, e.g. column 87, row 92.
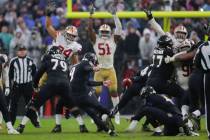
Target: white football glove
column 7, row 91
column 169, row 59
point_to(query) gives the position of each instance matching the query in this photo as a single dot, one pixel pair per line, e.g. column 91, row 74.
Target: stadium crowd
column 27, row 25
column 24, row 20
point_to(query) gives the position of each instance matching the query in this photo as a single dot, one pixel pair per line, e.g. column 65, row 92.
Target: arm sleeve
column 11, row 73
column 95, row 83
column 88, row 68
column 39, row 74
column 33, row 70
column 5, row 76
column 155, row 26
column 118, row 29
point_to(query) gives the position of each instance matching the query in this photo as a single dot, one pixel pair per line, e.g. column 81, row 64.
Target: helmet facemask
column 105, row 34
column 180, row 33
column 180, row 36
column 105, row 31
column 70, row 34
column 70, row 37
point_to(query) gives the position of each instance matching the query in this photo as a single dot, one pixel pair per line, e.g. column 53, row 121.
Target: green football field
column 71, row 132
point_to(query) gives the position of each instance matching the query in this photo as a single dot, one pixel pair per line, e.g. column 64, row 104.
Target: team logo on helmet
column 70, row 33
column 105, row 31
column 180, row 33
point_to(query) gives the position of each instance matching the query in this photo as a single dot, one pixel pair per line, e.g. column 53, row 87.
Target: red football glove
column 127, row 82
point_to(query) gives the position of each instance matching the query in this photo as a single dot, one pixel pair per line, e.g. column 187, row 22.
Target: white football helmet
column 70, row 33
column 180, row 33
column 105, row 31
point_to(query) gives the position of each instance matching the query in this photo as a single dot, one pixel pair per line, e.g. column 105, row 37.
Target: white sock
column 133, row 125
column 24, row 120
column 157, row 129
column 1, row 118
column 190, row 124
column 38, row 119
column 115, row 100
column 197, row 113
column 80, row 120
column 99, row 99
column 185, row 110
column 104, row 117
column 9, row 125
column 58, row 119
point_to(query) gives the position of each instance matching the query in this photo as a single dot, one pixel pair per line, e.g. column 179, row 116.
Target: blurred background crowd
column 23, row 22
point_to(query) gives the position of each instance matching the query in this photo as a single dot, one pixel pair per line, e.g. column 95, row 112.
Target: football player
column 80, row 89
column 65, row 40
column 3, row 102
column 56, row 67
column 183, row 67
column 105, row 46
column 162, row 111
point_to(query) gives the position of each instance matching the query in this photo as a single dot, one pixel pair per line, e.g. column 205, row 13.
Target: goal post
column 166, row 15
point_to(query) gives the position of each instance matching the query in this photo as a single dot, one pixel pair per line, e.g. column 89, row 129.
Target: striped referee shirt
column 21, row 70
column 202, row 57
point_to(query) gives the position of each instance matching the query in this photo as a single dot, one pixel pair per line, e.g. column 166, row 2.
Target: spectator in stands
column 24, row 30
column 19, row 39
column 34, row 49
column 194, row 37
column 206, row 7
column 131, row 43
column 6, row 37
column 146, row 46
column 85, row 42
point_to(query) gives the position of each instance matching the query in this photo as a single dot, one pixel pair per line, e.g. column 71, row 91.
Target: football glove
column 7, row 91
column 148, row 13
column 127, row 82
column 50, row 8
column 169, row 59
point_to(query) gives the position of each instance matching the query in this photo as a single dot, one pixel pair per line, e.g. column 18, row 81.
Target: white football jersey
column 183, row 71
column 68, row 49
column 105, row 50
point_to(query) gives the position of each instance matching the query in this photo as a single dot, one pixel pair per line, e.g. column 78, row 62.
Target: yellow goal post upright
column 166, row 15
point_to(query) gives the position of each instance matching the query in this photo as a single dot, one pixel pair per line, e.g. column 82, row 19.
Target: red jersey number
column 104, row 49
column 187, row 70
column 66, row 53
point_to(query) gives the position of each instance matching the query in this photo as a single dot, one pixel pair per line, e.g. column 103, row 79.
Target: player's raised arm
column 50, row 29
column 91, row 32
column 118, row 25
column 155, row 26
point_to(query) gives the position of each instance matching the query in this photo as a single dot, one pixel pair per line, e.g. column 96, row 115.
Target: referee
column 202, row 62
column 21, row 73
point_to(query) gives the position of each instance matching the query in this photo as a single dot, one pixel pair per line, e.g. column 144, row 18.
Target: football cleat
column 109, row 124
column 157, row 134
column 99, row 129
column 112, row 133
column 20, row 128
column 57, row 129
column 195, row 121
column 83, row 129
column 13, row 132
column 32, row 115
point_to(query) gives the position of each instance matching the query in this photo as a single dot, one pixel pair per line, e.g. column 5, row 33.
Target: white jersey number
column 72, row 74
column 61, row 63
column 157, row 60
